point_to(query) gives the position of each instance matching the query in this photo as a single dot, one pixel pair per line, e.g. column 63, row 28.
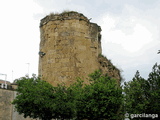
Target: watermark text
column 143, row 115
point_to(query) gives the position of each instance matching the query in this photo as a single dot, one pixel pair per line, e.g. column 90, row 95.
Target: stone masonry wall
column 70, row 44
column 7, row 111
column 6, row 96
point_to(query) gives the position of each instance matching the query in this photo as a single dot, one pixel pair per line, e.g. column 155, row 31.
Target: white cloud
column 138, row 39
column 131, row 40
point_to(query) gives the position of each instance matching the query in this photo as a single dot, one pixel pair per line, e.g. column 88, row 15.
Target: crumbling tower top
column 69, row 15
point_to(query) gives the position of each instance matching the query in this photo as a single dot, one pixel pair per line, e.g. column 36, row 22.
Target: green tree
column 143, row 96
column 135, row 95
column 63, row 103
column 153, row 85
column 38, row 99
column 101, row 99
column 34, row 98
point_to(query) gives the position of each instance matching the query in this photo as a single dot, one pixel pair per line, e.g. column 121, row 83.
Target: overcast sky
column 130, row 32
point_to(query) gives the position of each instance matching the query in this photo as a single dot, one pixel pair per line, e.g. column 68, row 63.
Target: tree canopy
column 34, row 96
column 143, row 95
column 102, row 99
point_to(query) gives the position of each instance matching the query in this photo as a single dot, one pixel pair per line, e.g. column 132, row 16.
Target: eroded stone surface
column 71, row 45
column 7, row 110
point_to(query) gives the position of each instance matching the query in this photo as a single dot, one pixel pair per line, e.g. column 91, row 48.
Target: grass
column 68, row 11
column 64, row 12
column 110, row 65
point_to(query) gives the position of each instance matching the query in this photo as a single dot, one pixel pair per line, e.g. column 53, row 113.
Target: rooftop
column 3, row 81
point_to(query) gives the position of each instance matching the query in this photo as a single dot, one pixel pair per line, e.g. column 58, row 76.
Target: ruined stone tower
column 70, row 47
